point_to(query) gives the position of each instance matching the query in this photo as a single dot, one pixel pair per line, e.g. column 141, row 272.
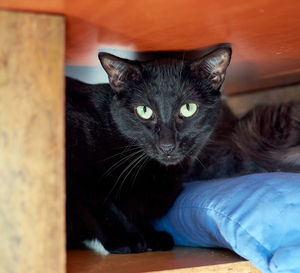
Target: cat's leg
column 106, row 229
column 103, row 230
column 158, row 240
column 81, row 225
column 132, row 237
column 122, row 236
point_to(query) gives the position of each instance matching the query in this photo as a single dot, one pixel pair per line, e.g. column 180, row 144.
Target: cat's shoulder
column 87, row 103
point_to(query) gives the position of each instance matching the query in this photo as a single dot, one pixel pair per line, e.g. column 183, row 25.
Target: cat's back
column 87, row 105
column 88, row 98
column 88, row 120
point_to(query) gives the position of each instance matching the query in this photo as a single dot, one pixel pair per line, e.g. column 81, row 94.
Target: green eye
column 144, row 112
column 187, row 110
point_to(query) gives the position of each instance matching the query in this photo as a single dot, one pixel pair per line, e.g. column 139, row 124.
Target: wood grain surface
column 183, row 260
column 264, row 33
column 32, row 218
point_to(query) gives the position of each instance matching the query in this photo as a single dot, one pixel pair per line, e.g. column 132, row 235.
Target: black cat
column 132, row 142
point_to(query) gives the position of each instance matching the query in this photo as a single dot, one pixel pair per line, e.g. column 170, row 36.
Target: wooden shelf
column 264, row 34
column 178, row 260
column 265, row 39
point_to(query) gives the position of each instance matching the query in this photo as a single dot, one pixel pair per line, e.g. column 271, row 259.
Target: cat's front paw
column 159, row 240
column 131, row 242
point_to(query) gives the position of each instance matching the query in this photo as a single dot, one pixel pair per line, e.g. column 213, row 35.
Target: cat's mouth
column 167, row 159
column 170, row 160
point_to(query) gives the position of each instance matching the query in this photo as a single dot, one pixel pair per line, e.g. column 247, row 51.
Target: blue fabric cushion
column 257, row 216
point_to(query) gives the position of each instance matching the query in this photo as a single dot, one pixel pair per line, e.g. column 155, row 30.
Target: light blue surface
column 257, row 216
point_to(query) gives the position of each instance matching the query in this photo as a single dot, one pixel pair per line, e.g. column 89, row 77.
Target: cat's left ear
column 119, row 70
column 213, row 66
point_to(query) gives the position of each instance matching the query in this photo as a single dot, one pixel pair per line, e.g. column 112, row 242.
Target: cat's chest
column 150, row 201
column 135, row 177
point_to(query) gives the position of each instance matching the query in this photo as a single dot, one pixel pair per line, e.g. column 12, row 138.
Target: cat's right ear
column 119, row 70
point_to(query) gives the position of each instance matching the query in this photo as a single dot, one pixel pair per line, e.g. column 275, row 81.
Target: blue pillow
column 257, row 216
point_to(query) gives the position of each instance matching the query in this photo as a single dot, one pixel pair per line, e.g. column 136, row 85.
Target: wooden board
column 183, row 260
column 264, row 33
column 32, row 219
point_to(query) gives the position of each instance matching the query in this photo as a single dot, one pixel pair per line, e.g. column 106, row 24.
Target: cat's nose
column 167, row 148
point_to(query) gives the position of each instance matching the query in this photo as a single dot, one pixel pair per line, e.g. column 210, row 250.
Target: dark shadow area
column 179, row 54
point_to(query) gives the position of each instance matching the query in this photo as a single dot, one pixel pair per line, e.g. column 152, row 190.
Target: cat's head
column 168, row 107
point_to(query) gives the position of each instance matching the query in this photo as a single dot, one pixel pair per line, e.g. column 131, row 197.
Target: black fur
column 124, row 172
column 120, row 176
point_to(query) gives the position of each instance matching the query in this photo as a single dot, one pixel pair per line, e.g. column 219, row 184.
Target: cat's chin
column 168, row 161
